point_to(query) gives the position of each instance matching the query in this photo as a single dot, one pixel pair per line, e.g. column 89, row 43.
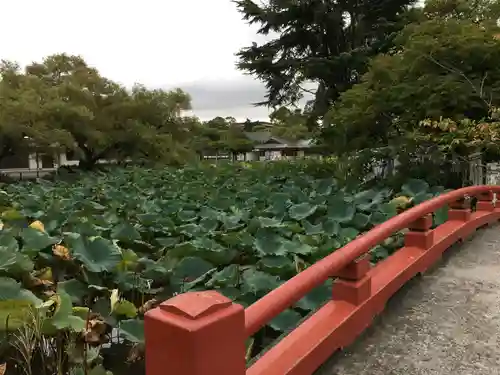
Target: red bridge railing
column 204, row 332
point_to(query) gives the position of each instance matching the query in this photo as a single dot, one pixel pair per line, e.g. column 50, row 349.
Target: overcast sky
column 162, row 43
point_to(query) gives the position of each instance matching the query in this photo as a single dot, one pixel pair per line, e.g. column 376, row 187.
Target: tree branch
column 479, row 91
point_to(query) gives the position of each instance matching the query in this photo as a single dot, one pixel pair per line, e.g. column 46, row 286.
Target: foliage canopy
column 437, row 70
column 326, row 42
column 62, row 103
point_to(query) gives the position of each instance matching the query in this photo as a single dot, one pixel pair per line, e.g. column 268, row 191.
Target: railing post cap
column 196, row 305
column 196, row 333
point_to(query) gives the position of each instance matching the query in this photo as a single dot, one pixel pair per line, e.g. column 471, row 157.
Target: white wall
column 33, row 162
column 36, row 165
column 64, row 161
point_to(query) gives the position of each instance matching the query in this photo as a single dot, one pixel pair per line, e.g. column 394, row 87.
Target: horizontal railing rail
column 268, row 307
column 204, row 332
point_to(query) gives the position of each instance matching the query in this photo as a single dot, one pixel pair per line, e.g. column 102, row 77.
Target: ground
column 444, row 322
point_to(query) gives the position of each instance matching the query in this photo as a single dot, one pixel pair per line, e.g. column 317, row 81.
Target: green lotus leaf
column 360, row 221
column 285, row 321
column 212, row 251
column 35, row 240
column 301, row 211
column 14, row 314
column 167, row 241
column 63, row 317
column 348, row 234
column 340, row 211
column 132, row 330
column 331, row 227
column 378, row 253
column 367, row 200
column 258, row 282
column 296, row 247
column 75, row 289
column 311, row 229
column 10, row 289
column 190, row 230
column 125, row 308
column 209, row 224
column 96, row 253
column 129, row 260
column 268, row 242
column 422, row 197
column 325, row 186
column 14, row 262
column 277, row 265
column 189, row 269
column 187, row 216
column 266, row 222
column 227, row 277
column 440, row 216
column 316, row 298
column 125, row 232
column 415, row 187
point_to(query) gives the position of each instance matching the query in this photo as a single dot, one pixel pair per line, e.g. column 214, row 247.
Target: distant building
column 266, row 147
column 26, row 166
column 269, row 147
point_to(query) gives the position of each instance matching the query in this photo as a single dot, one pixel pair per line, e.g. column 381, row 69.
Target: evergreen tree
column 327, row 42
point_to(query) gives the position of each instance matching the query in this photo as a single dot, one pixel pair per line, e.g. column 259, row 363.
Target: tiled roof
column 264, row 140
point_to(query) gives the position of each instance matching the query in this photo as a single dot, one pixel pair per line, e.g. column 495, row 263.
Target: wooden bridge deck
column 445, row 322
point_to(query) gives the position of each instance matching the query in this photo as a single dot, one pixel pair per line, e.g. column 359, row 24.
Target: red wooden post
column 460, row 210
column 485, row 201
column 196, row 333
column 353, row 283
column 420, row 234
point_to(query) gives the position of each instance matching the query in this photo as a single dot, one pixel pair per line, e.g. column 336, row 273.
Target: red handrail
column 186, row 325
column 272, row 304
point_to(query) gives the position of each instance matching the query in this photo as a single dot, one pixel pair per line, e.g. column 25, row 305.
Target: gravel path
column 445, row 322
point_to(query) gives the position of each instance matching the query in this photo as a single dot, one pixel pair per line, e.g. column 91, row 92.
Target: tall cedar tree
column 328, row 42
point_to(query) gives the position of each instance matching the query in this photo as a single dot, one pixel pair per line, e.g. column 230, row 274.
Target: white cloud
column 152, row 41
column 162, row 43
column 158, row 43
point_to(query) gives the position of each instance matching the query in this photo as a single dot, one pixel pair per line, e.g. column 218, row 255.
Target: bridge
column 445, row 318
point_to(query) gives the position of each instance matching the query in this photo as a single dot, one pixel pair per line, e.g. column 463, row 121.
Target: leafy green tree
column 102, row 119
column 224, row 135
column 324, row 42
column 165, row 131
column 212, row 132
column 24, row 108
column 289, row 124
column 440, row 69
column 233, row 140
column 485, row 12
column 250, row 126
column 198, row 140
column 86, row 105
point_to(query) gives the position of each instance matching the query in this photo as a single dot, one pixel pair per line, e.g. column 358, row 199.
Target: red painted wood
column 268, row 307
column 204, row 332
column 422, row 224
column 459, row 214
column 197, row 333
column 460, row 204
column 338, row 323
column 423, row 240
column 352, row 291
column 355, row 270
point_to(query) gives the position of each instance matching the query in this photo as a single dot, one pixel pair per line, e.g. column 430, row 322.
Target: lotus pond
column 80, row 258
